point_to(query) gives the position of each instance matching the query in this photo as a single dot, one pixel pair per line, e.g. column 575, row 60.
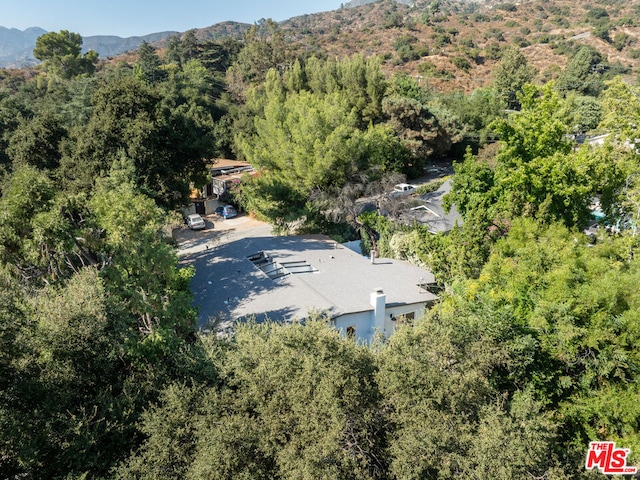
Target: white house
column 287, row 278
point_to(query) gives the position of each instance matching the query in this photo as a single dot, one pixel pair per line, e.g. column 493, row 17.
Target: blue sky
column 127, row 18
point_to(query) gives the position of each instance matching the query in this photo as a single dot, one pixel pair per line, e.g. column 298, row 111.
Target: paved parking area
column 199, row 247
column 217, row 232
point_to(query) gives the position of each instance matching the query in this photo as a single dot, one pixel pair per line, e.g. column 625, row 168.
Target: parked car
column 195, row 222
column 402, row 190
column 226, row 211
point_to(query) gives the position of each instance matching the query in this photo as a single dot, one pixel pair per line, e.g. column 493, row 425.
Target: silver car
column 195, row 222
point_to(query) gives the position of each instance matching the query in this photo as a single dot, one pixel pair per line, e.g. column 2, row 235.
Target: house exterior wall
column 364, row 322
column 211, row 205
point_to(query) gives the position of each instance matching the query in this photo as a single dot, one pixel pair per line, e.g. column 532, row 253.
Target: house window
column 406, row 318
column 351, row 332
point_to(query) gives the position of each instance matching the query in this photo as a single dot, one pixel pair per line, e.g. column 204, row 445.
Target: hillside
column 456, row 44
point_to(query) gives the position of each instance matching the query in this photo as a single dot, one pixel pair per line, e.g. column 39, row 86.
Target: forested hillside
column 531, row 353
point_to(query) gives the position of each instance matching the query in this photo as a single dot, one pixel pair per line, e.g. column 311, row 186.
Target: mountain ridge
column 16, row 46
column 454, row 45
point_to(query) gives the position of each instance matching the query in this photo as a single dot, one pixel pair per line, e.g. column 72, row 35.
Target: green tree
column 364, row 84
column 579, row 75
column 621, row 110
column 475, row 112
column 511, row 74
column 581, row 112
column 264, row 48
column 440, row 373
column 360, row 79
column 304, row 140
column 107, row 321
column 62, row 54
column 296, row 401
column 171, row 436
column 36, row 141
column 14, row 105
column 420, row 130
column 535, row 173
column 181, row 49
column 26, row 193
column 167, row 142
column 140, row 265
column 569, row 326
column 148, row 67
column 12, row 321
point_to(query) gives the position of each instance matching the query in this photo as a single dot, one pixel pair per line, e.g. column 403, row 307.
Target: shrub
column 620, row 40
column 507, row 7
column 467, row 42
column 561, row 22
column 394, row 20
column 421, row 50
column 428, row 69
column 479, row 17
column 494, row 33
column 634, row 53
column 521, row 42
column 602, row 32
column 462, row 63
column 431, row 186
column 441, row 39
column 404, row 40
column 406, row 53
column 596, row 14
column 544, row 38
column 626, row 21
column 493, row 51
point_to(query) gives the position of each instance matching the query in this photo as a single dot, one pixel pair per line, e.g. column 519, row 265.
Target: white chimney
column 378, row 302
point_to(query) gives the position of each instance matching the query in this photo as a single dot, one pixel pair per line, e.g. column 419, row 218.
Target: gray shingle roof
column 227, row 286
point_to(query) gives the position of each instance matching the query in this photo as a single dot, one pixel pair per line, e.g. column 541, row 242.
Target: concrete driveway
column 218, row 231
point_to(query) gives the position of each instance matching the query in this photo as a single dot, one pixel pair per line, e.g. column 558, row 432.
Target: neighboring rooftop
column 286, row 278
column 225, row 166
column 431, row 212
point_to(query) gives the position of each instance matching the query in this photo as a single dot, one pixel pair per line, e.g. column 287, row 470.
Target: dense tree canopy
column 168, row 143
column 535, row 172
